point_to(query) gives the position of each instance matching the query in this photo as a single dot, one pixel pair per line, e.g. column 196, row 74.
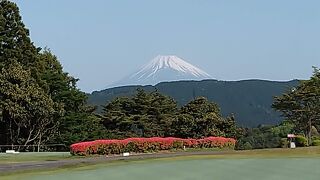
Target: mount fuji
column 164, row 69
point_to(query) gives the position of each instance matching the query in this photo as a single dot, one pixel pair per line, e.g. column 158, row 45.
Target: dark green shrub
column 315, row 138
column 112, row 148
column 284, row 143
column 116, row 148
column 301, row 141
column 316, row 143
column 101, row 150
column 247, row 146
column 131, row 147
column 178, row 144
column 90, row 150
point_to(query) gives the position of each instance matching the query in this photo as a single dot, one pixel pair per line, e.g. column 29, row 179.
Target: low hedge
column 143, row 145
column 301, row 141
column 316, row 142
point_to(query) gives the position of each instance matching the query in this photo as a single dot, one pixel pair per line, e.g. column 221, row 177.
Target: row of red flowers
column 143, row 145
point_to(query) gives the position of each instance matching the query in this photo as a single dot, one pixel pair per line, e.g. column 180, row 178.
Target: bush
column 143, row 145
column 247, row 146
column 316, row 143
column 301, row 141
column 177, row 145
column 284, row 143
column 315, row 138
column 130, row 147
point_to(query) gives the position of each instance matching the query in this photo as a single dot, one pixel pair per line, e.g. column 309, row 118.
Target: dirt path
column 7, row 168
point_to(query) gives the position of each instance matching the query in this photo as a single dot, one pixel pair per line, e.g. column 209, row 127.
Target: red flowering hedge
column 143, row 145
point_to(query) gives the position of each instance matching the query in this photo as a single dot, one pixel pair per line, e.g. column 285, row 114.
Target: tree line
column 151, row 114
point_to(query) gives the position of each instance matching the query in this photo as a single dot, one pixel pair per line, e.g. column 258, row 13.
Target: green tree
column 145, row 114
column 264, row 136
column 161, row 111
column 25, row 107
column 41, row 74
column 202, row 119
column 81, row 126
column 116, row 118
column 302, row 105
column 183, row 126
column 78, row 122
column 27, row 112
column 15, row 44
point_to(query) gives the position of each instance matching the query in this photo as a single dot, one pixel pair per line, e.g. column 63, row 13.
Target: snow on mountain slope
column 172, row 62
column 164, row 69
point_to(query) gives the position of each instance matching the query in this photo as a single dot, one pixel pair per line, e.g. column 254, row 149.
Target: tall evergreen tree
column 301, row 106
column 40, row 79
column 201, row 118
column 78, row 122
column 145, row 114
column 15, row 44
column 25, row 107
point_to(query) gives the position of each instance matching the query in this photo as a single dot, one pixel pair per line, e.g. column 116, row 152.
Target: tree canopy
column 153, row 114
column 301, row 105
column 39, row 102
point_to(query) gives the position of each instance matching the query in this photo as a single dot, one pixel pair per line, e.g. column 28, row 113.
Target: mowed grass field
column 271, row 164
column 33, row 157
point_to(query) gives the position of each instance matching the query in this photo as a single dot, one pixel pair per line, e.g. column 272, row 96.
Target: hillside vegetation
column 249, row 101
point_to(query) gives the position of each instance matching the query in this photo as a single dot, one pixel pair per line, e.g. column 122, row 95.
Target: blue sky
column 101, row 41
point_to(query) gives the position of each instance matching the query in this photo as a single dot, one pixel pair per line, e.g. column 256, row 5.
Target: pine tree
column 202, row 119
column 145, row 114
column 301, row 106
column 15, row 44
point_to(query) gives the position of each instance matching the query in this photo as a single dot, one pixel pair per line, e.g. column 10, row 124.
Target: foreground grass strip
column 188, row 168
column 35, row 157
column 294, row 155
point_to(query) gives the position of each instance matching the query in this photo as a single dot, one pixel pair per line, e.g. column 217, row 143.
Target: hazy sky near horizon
column 102, row 41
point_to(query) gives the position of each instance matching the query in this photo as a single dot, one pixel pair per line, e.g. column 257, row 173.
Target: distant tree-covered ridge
column 249, row 101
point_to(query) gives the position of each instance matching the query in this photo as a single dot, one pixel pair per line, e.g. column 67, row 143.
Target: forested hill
column 249, row 100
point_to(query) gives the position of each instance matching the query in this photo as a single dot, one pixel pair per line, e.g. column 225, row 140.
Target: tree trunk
column 309, row 132
column 11, row 133
column 39, row 143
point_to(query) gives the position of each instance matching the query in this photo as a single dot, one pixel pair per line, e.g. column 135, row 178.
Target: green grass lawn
column 33, row 157
column 270, row 164
column 182, row 169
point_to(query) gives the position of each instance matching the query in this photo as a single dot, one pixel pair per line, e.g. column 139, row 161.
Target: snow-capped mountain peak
column 164, row 69
column 171, row 62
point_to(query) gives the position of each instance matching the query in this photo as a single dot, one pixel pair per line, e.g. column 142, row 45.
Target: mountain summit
column 164, row 69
